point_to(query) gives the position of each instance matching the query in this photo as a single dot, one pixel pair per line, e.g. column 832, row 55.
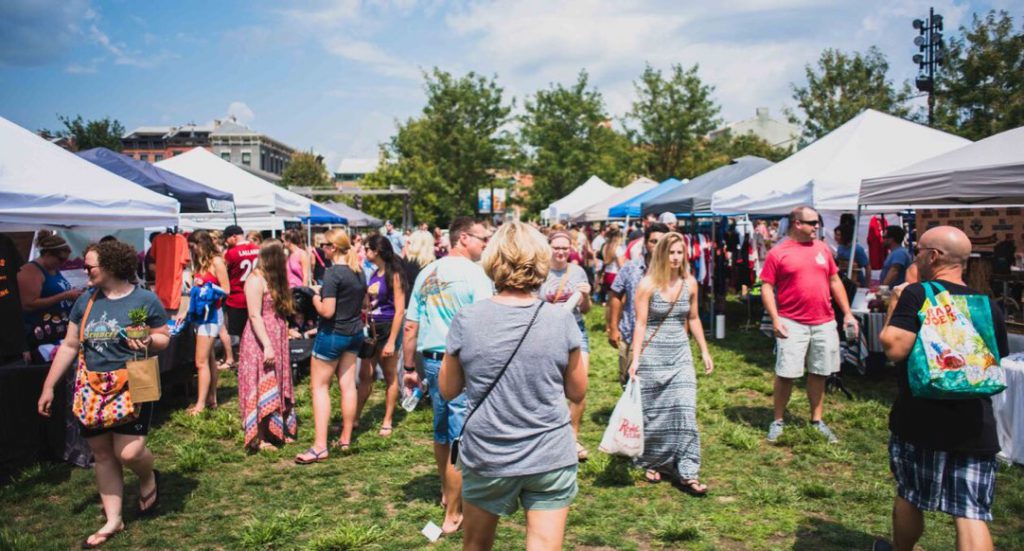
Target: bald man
column 800, row 282
column 941, row 452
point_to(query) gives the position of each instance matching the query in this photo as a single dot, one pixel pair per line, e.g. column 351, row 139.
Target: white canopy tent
column 42, row 185
column 585, row 195
column 599, row 211
column 259, row 204
column 827, row 173
column 988, row 172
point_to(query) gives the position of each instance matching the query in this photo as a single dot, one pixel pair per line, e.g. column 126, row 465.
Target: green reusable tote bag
column 954, row 356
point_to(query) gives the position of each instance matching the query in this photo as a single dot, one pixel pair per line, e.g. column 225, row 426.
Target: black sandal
column 691, row 487
column 149, row 511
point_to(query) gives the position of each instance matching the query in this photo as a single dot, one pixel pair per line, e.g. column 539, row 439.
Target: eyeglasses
column 814, row 223
column 919, row 250
column 89, row 268
column 653, row 241
column 484, row 239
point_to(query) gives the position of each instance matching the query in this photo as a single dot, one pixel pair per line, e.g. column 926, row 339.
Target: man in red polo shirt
column 800, row 280
column 241, row 259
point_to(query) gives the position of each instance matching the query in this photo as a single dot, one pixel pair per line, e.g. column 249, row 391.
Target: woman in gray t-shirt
column 518, row 446
column 564, row 281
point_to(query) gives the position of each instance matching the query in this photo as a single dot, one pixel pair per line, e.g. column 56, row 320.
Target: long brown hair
column 202, row 260
column 273, row 265
column 661, row 269
column 613, row 238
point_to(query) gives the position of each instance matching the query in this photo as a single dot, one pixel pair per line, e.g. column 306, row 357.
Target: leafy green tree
column 980, row 90
column 672, row 115
column 306, row 169
column 568, row 137
column 456, row 146
column 841, row 86
column 105, row 132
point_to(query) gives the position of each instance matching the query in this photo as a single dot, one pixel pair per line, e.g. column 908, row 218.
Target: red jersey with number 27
column 240, row 260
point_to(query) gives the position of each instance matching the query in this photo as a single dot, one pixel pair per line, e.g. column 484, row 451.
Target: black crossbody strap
column 455, row 445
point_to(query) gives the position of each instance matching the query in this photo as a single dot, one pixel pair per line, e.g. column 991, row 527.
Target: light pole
column 931, row 52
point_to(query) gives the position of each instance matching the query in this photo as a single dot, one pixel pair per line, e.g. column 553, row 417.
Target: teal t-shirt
column 441, row 290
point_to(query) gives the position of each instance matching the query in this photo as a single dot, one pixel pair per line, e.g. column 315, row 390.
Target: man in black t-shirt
column 941, row 452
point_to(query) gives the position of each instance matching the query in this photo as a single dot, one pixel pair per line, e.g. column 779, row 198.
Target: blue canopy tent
column 193, row 196
column 321, row 215
column 633, row 207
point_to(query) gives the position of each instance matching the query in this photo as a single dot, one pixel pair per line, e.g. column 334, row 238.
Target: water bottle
column 851, row 332
column 412, row 399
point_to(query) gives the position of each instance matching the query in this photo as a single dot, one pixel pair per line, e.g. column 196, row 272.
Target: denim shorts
column 330, row 346
column 586, row 338
column 448, row 416
column 501, row 495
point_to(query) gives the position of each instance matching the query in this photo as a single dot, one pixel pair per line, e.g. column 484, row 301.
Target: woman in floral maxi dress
column 265, row 390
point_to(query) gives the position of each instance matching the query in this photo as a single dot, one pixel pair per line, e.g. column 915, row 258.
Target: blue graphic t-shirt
column 106, row 347
column 441, row 290
column 900, row 258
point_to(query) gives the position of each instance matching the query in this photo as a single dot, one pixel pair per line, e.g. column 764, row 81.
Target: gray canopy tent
column 695, row 197
column 988, row 172
column 356, row 218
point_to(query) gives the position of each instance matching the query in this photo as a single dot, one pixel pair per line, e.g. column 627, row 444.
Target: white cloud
column 369, row 54
column 84, row 68
column 241, row 111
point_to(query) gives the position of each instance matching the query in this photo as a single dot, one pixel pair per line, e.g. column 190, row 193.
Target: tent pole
column 853, row 246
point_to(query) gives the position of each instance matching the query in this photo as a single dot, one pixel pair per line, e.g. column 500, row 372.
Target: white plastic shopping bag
column 625, row 433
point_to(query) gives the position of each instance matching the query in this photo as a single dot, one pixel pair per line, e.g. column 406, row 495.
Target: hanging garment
column 171, row 254
column 876, row 241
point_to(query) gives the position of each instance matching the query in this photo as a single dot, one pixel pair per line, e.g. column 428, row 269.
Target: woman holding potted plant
column 98, row 327
column 265, row 390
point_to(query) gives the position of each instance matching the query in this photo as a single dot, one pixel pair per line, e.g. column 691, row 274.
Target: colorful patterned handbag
column 102, row 400
column 954, row 356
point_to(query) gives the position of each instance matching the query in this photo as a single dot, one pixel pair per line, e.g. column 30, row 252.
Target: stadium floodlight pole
column 931, row 53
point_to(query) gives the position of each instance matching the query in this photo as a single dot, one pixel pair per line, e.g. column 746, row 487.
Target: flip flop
column 652, row 477
column 581, row 453
column 385, row 431
column 107, row 536
column 151, row 510
column 690, row 487
column 317, row 457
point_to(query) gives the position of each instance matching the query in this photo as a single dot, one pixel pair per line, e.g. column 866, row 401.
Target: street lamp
column 932, row 53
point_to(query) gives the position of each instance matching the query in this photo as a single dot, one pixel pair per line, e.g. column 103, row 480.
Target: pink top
column 295, row 278
column 800, row 273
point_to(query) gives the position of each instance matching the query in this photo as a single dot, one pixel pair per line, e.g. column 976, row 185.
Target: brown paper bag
column 144, row 380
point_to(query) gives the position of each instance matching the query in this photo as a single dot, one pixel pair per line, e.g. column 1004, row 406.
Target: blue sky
column 335, row 75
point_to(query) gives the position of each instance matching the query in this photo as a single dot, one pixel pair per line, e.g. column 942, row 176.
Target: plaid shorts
column 956, row 484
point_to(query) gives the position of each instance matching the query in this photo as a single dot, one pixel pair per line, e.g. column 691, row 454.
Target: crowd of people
column 488, row 324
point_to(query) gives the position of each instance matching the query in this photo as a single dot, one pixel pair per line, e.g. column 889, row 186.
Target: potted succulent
column 137, row 328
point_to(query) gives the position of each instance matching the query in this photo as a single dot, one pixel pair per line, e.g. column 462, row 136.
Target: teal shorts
column 548, row 491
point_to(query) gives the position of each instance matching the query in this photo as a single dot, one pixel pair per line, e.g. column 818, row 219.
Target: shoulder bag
column 101, row 400
column 455, row 443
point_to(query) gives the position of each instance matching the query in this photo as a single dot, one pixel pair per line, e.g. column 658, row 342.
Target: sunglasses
column 919, row 250
column 814, row 223
column 89, row 268
column 482, row 239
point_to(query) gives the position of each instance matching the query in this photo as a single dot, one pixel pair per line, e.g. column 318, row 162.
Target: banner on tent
column 984, row 226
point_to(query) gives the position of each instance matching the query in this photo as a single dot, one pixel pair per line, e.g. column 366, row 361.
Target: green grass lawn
column 799, row 494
